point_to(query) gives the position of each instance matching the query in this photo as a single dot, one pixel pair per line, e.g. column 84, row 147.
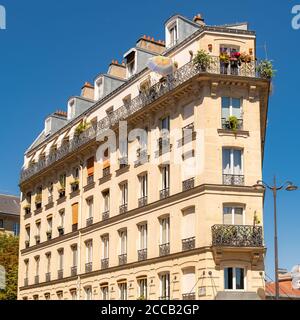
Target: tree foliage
column 9, row 249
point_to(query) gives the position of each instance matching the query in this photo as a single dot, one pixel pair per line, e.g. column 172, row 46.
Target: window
column 26, row 268
column 233, row 215
column 105, row 247
column 188, row 281
column 165, row 230
column 49, row 224
column 165, row 173
column 143, row 185
column 123, row 241
column 127, row 100
column 130, row 64
column 61, row 218
column 123, row 290
column 106, row 200
column 234, row 279
column 74, row 255
column 231, row 107
column 60, row 295
column 88, row 293
column 36, row 297
column 173, row 34
column 90, row 167
column 37, row 265
column 232, row 162
column 16, row 228
column 38, row 229
column 71, row 109
column 48, row 262
column 188, row 223
column 104, row 292
column 75, row 214
column 50, row 190
column 124, row 193
column 62, row 180
column 90, row 206
column 143, row 236
column 109, row 111
column 89, row 251
column 142, row 288
column 165, row 286
column 165, row 123
column 60, row 259
column 27, row 235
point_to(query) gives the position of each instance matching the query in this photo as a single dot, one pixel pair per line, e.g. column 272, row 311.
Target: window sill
column 237, row 133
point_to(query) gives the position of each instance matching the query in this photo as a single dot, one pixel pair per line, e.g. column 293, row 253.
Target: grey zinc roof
column 9, row 204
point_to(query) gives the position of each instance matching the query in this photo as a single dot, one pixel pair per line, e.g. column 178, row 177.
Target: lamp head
column 291, row 187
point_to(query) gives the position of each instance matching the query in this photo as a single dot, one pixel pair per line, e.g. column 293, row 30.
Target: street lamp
column 288, row 186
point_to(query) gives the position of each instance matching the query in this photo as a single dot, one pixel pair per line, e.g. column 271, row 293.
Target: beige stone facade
column 181, row 224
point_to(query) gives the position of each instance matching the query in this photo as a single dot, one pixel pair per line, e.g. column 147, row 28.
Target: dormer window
column 130, row 65
column 71, row 110
column 172, row 34
column 47, row 127
column 99, row 89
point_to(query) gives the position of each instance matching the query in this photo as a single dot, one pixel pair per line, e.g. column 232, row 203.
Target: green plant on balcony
column 75, row 182
column 141, row 297
column 83, row 126
column 265, row 69
column 233, row 123
column 202, row 60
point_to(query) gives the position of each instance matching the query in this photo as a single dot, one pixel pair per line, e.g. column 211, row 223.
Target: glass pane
column 237, row 162
column 228, row 278
column 227, row 215
column 239, row 276
column 236, row 108
column 238, row 216
column 226, row 161
column 225, row 107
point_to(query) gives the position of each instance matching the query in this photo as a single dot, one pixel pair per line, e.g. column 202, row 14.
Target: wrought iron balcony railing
column 233, row 180
column 226, row 125
column 48, row 277
column 188, row 244
column 73, row 271
column 122, row 259
column 60, row 274
column 164, row 298
column 104, row 263
column 90, row 179
column 188, row 184
column 237, row 236
column 25, row 282
column 105, row 215
column 164, row 193
column 143, row 201
column 36, row 279
column 123, row 208
column 89, row 221
column 142, row 254
column 189, row 296
column 88, row 267
column 183, row 74
column 164, row 249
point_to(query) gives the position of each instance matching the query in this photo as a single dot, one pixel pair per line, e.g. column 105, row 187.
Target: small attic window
column 71, row 109
column 47, row 127
column 173, row 34
column 130, row 64
column 99, row 89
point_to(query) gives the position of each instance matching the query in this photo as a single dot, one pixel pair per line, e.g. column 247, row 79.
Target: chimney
column 150, row 44
column 117, row 69
column 87, row 91
column 199, row 19
column 61, row 113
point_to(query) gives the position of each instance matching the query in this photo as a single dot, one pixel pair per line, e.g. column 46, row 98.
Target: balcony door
column 231, row 107
column 233, row 162
column 233, row 215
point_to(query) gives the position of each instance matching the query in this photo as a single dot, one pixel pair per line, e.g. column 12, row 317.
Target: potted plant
column 202, row 60
column 265, row 69
column 60, row 230
column 83, row 126
column 224, row 62
column 62, row 191
column 233, row 123
column 49, row 234
column 235, row 61
column 245, row 57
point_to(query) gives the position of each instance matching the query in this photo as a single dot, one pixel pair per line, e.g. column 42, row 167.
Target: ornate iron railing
column 142, row 254
column 123, row 208
column 233, row 179
column 104, row 263
column 105, row 215
column 164, row 249
column 188, row 184
column 73, row 271
column 48, row 277
column 88, row 267
column 164, row 193
column 227, row 126
column 188, row 244
column 122, row 259
column 160, row 88
column 143, row 201
column 237, row 236
column 89, row 221
column 90, row 179
column 189, row 296
column 60, row 274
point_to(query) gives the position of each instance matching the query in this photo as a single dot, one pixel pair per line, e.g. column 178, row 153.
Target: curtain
column 237, row 162
column 226, row 161
column 75, row 213
column 225, row 107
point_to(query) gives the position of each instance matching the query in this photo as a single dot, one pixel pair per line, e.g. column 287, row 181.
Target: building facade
column 9, row 214
column 169, row 212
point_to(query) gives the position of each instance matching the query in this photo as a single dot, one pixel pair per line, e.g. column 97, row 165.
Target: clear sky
column 51, row 47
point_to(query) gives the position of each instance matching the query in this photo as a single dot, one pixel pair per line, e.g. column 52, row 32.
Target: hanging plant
column 265, row 69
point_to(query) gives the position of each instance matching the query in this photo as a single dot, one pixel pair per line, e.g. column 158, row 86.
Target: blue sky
column 51, row 47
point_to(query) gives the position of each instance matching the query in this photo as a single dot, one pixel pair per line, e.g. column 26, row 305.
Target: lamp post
column 288, row 186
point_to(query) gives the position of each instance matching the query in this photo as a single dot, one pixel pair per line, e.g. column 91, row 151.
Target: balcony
column 164, row 193
column 74, row 227
column 237, row 236
column 27, row 243
column 123, row 163
column 164, row 249
column 48, row 277
column 122, row 259
column 60, row 274
column 37, row 239
column 49, row 234
column 105, row 215
column 142, row 254
column 88, row 267
column 25, row 282
column 143, row 201
column 233, row 180
column 61, row 231
column 73, row 271
column 189, row 296
column 106, row 172
column 104, row 263
column 180, row 76
column 226, row 125
column 188, row 244
column 74, row 186
column 123, row 208
column 188, row 184
column 90, row 180
column 36, row 279
column 89, row 221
